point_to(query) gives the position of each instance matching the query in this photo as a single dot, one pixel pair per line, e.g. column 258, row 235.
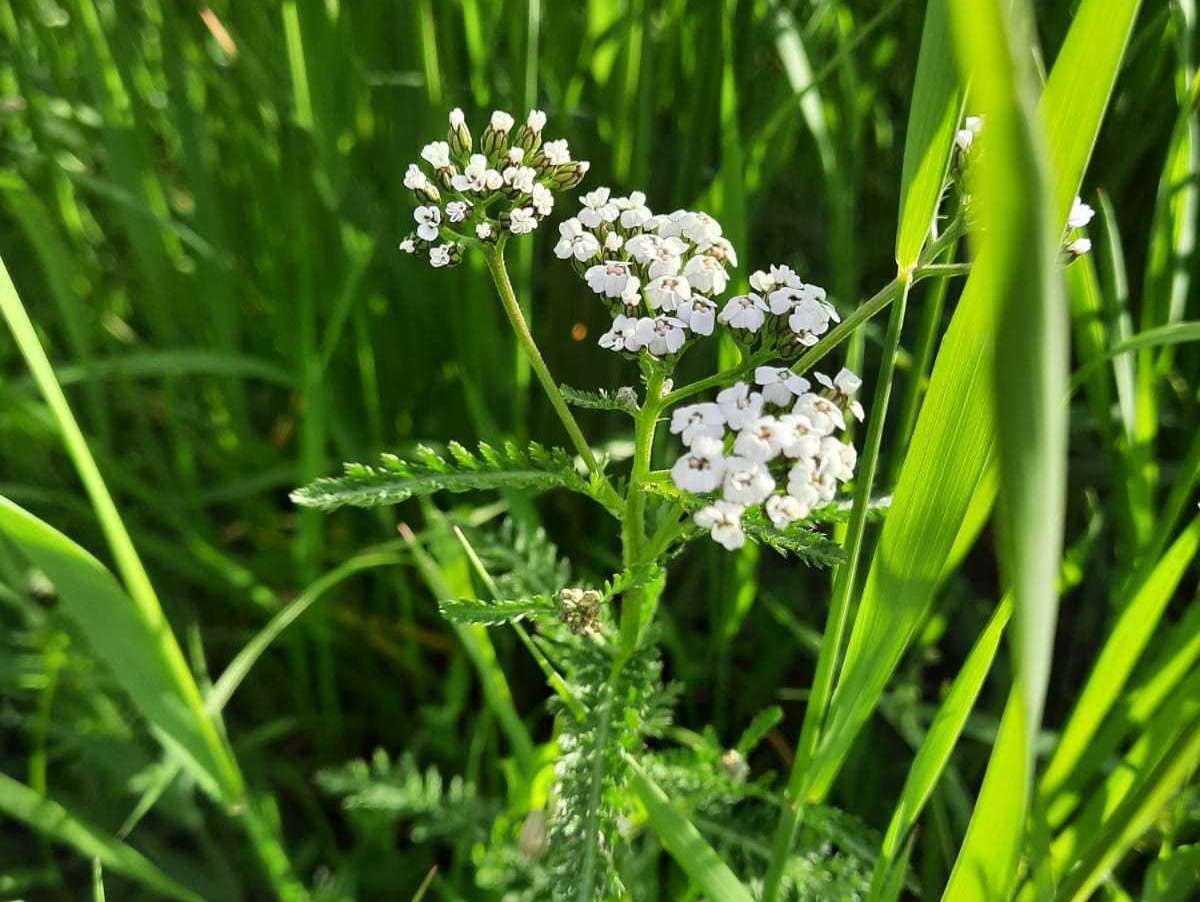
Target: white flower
column 739, row 405
column 746, row 481
column 724, row 523
column 611, row 278
column 810, row 318
column 457, row 119
column 701, row 228
column 597, row 208
column 837, row 459
column 429, row 220
column 779, row 384
column 643, row 247
column 746, row 311
column 536, row 121
column 1079, row 247
column 437, row 154
column 784, row 510
column 699, row 314
column 408, row 246
column 792, row 293
column 965, row 136
column 823, row 414
column 520, row 178
column 719, row 249
column 667, row 292
column 501, row 121
column 809, row 486
column 622, row 335
column 521, row 221
column 698, row 421
column 634, row 212
column 843, row 385
column 476, row 176
column 661, row 335
column 543, row 199
column 516, row 155
column 706, row 274
column 699, row 472
column 557, row 152
column 797, row 437
column 440, row 256
column 415, row 179
column 760, row 440
column 457, row 210
column 483, row 231
column 667, row 258
column 575, row 241
column 1081, row 214
column 613, row 242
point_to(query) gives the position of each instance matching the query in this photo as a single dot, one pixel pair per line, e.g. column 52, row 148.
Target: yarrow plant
column 764, row 445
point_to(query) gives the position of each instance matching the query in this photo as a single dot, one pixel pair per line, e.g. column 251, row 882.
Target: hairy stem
column 508, row 299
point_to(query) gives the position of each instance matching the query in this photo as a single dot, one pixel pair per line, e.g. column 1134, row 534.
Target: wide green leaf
column 142, row 654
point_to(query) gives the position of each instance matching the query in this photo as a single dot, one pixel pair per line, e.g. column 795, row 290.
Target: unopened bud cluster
column 506, row 185
column 752, row 441
column 580, row 610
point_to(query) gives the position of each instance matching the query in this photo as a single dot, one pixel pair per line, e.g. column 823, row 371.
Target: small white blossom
column 415, row 179
column 965, row 136
column 557, row 152
column 611, row 278
column 440, row 256
column 798, row 439
column 702, row 469
column 809, row 486
column 667, row 292
column 810, row 318
column 502, row 121
column 784, row 510
column 760, row 440
column 667, row 258
column 429, row 221
column 477, row 176
column 706, row 274
column 543, row 199
column 746, row 311
column 408, row 246
column 520, row 178
column 662, row 335
column 739, row 405
column 457, row 119
column 700, row 228
column 536, row 121
column 780, row 384
column 437, row 154
column 622, row 336
column 724, row 523
column 746, row 481
column 613, row 242
column 1081, row 214
column 575, row 242
column 521, row 221
column 837, row 459
column 719, row 249
column 516, row 155
column 1079, row 247
column 793, row 293
column 483, row 231
column 634, row 212
column 457, row 210
column 597, row 208
column 698, row 421
column 823, row 414
column 699, row 314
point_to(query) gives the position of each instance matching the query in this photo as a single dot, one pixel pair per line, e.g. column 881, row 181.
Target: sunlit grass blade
column 52, row 820
column 935, row 750
column 1136, row 624
column 681, row 838
column 932, row 120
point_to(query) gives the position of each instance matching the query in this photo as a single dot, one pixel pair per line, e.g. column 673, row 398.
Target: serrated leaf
column 394, row 479
column 495, row 612
column 598, row 400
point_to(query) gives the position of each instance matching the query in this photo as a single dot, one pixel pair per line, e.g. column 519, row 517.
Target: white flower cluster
column 1081, row 214
column 749, row 442
column 661, row 275
column 506, row 185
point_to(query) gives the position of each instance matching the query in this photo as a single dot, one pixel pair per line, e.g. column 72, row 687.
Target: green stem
column 508, row 299
column 633, row 523
column 839, row 608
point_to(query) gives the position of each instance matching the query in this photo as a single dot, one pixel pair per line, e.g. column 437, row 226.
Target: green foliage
column 496, row 611
column 600, row 399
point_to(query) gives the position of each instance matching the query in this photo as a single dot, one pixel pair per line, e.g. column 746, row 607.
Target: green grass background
column 200, row 206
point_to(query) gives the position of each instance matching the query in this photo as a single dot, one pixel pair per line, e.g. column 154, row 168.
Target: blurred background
column 200, row 206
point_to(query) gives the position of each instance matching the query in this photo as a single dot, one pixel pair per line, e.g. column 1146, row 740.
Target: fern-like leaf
column 395, row 479
column 496, row 612
column 623, row 400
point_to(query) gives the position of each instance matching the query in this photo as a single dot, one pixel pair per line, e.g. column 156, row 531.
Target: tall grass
column 198, row 209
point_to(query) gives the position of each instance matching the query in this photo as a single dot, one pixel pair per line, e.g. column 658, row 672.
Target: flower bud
column 495, row 136
column 529, row 135
column 459, row 135
column 568, row 175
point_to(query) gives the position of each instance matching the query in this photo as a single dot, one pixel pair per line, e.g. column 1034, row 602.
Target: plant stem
column 633, row 523
column 508, row 299
column 839, row 608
